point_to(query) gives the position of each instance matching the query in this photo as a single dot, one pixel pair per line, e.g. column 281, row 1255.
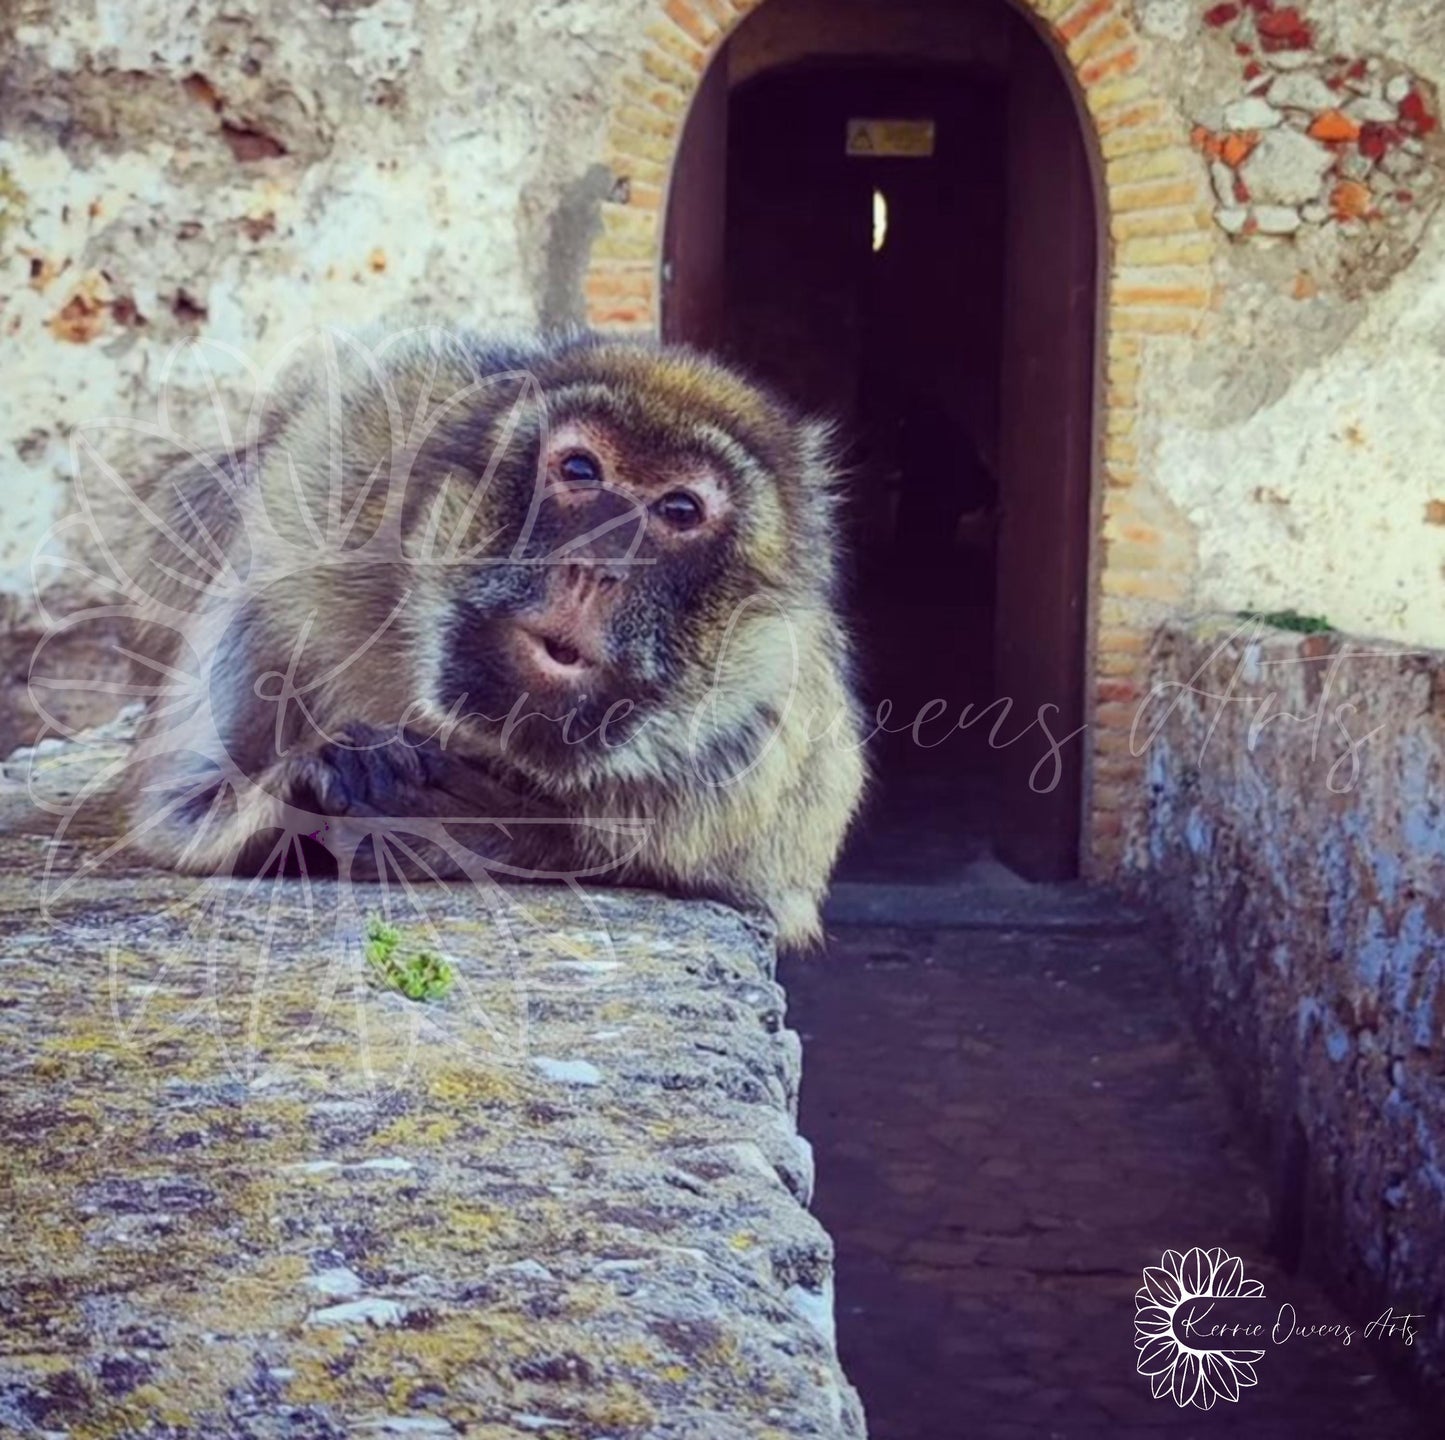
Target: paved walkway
column 1008, row 1128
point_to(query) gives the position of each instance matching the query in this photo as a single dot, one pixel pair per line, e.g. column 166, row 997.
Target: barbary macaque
column 558, row 607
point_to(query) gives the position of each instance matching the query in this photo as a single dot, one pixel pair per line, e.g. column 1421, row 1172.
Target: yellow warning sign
column 912, row 139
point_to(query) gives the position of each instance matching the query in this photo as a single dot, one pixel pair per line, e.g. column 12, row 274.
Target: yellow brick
column 1148, row 165
column 1119, row 143
column 1116, row 665
column 1104, row 34
column 667, row 71
column 1157, row 322
column 1166, row 296
column 1115, row 715
column 627, row 234
column 634, row 167
column 1162, row 196
column 1083, row 15
column 642, row 196
column 1133, row 117
column 1104, row 67
column 636, row 143
column 1108, row 799
column 1187, row 248
column 619, row 282
column 1121, row 765
column 1122, row 641
column 623, row 219
column 1128, row 584
column 1112, row 743
column 1158, row 222
column 647, row 121
column 1116, row 611
column 661, row 99
column 1158, row 280
column 1126, row 555
column 1116, row 94
column 1131, row 529
column 671, row 41
column 1102, row 860
column 692, row 20
column 1124, row 347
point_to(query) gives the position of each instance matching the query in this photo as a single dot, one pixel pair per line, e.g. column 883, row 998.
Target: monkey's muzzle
column 584, row 546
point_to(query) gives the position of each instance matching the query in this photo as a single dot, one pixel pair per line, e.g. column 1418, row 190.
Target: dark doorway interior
column 869, row 289
column 879, row 288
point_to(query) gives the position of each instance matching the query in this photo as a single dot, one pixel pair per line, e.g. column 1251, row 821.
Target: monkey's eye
column 581, row 468
column 679, row 508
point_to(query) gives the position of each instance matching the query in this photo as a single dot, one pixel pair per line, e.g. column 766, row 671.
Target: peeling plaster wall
column 1296, row 433
column 241, row 172
column 1296, row 838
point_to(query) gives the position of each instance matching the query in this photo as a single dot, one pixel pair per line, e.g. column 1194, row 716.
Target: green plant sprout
column 420, row 975
column 1288, row 620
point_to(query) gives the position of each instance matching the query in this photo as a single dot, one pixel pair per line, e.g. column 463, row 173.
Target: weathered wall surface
column 250, row 1193
column 238, row 173
column 1296, row 838
column 1292, row 434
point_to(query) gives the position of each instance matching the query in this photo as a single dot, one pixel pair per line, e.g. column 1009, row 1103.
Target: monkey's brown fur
column 411, row 535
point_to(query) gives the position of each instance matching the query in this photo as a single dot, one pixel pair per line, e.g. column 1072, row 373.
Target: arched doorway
column 905, row 234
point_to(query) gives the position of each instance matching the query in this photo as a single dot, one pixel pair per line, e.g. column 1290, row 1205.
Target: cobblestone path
column 1009, row 1126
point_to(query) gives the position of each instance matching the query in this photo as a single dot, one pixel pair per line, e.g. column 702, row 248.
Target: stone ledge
column 251, row 1194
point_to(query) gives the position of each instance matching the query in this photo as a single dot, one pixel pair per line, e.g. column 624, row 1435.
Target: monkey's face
column 618, row 540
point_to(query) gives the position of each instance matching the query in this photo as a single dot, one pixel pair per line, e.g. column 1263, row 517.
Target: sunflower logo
column 1193, row 1376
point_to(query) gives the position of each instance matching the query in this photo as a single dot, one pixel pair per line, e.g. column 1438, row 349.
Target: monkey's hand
column 364, row 771
column 351, row 792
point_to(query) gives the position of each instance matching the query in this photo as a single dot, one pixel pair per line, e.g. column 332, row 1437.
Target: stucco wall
column 1296, row 839
column 240, row 172
column 1294, row 434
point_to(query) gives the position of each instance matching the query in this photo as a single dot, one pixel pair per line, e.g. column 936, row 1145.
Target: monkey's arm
column 229, row 768
column 196, row 814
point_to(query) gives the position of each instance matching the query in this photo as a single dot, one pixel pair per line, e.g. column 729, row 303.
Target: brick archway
column 1153, row 195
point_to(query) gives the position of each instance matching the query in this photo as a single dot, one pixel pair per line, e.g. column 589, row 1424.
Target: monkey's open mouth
column 540, row 695
column 551, row 658
column 562, row 654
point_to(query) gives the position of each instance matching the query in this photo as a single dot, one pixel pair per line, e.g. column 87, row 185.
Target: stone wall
column 1296, row 840
column 250, row 1190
